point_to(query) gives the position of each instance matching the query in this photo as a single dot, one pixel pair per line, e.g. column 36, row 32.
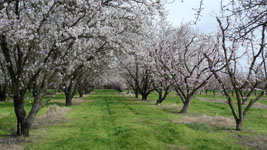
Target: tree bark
column 81, row 93
column 206, row 91
column 162, row 98
column 20, row 114
column 239, row 125
column 159, row 101
column 68, row 98
column 136, row 93
column 3, row 92
column 144, row 96
column 25, row 128
column 2, row 96
column 185, row 107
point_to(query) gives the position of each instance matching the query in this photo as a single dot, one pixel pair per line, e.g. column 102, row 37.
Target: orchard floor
column 106, row 120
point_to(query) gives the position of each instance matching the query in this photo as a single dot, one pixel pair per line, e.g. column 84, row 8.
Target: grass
column 107, row 120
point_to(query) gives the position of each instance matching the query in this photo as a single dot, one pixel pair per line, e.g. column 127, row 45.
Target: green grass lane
column 109, row 121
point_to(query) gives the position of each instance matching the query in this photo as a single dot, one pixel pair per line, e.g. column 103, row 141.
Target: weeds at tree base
column 214, row 121
column 256, row 142
column 53, row 115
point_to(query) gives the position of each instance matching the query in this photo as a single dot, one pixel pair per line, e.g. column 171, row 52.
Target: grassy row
column 107, row 120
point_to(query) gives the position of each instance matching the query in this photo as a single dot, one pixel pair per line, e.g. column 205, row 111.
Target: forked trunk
column 162, row 97
column 185, row 107
column 81, row 93
column 159, row 101
column 144, row 97
column 20, row 114
column 25, row 128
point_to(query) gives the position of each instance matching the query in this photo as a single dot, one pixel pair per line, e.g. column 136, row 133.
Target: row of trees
column 74, row 45
column 63, row 45
column 232, row 60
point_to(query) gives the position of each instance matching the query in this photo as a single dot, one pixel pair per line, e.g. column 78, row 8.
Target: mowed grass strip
column 107, row 120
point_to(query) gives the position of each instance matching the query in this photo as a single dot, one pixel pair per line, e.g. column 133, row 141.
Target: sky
column 183, row 12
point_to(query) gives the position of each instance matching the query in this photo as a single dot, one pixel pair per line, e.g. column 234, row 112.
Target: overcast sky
column 183, row 12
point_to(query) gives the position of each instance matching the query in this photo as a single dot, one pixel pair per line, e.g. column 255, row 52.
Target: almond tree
column 29, row 51
column 178, row 56
column 162, row 87
column 137, row 77
column 212, row 86
column 243, row 49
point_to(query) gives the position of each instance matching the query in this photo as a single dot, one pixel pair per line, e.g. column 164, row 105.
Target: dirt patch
column 75, row 101
column 256, row 105
column 4, row 115
column 53, row 115
column 215, row 100
column 214, row 121
column 127, row 94
column 256, row 142
column 259, row 105
column 11, row 147
column 11, row 143
column 174, row 108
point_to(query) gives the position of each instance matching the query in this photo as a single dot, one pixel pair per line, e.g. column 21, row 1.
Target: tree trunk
column 206, row 91
column 144, row 96
column 136, row 93
column 20, row 114
column 162, row 98
column 185, row 107
column 88, row 90
column 214, row 92
column 159, row 101
column 25, row 128
column 80, row 93
column 68, row 98
column 2, row 96
column 239, row 125
column 3, row 93
column 37, row 105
